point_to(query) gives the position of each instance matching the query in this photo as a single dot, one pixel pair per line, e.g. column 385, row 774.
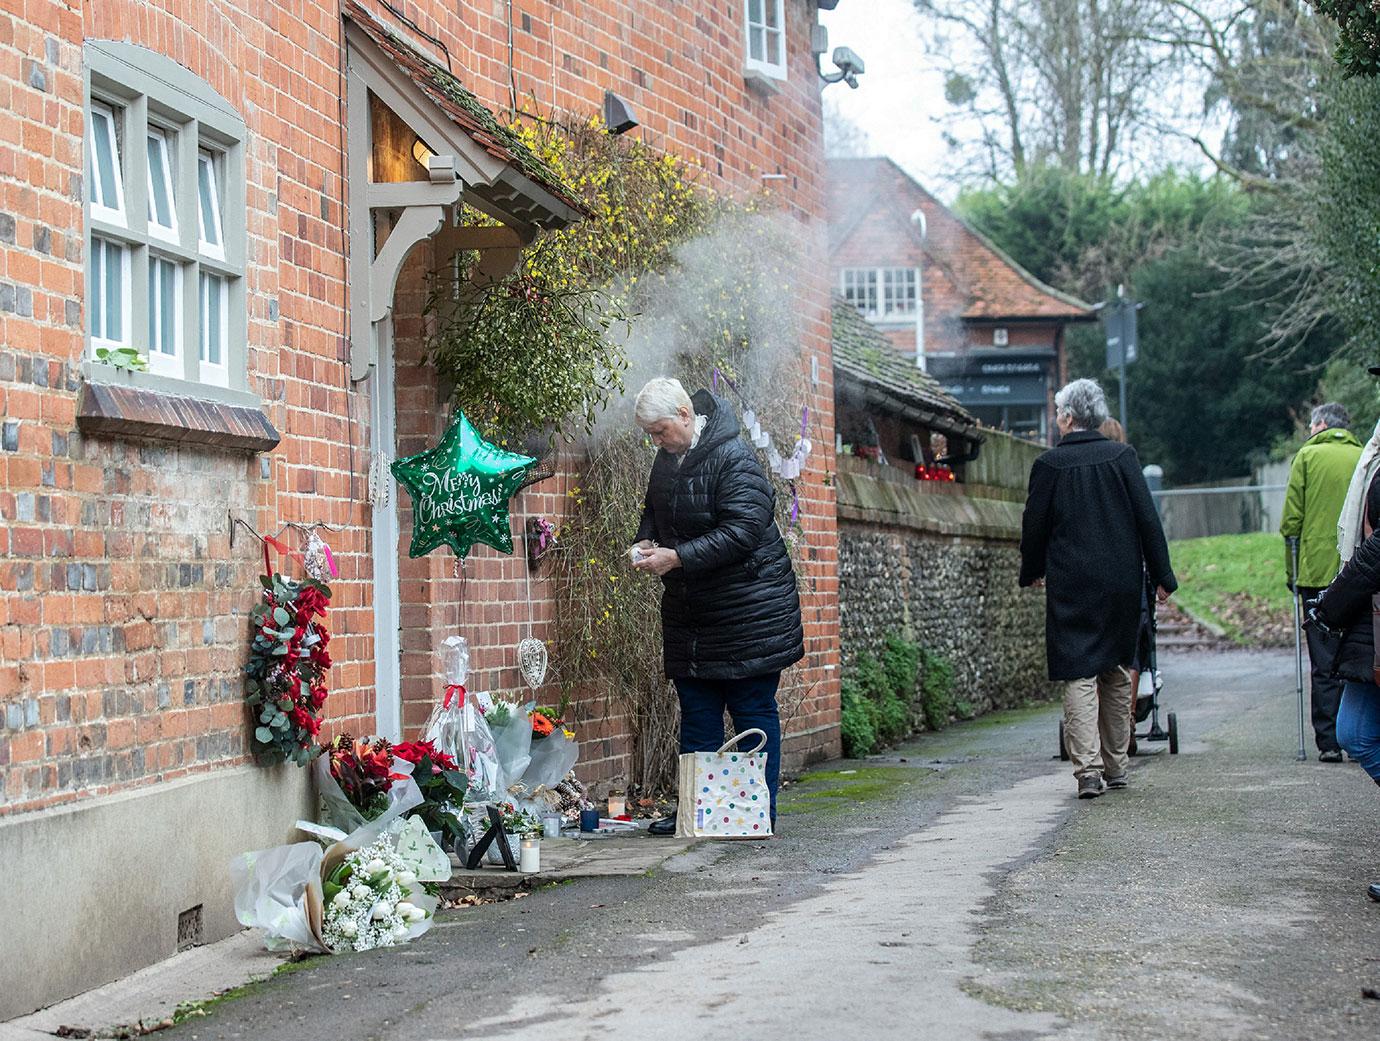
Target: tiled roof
column 865, row 360
column 994, row 285
column 460, row 104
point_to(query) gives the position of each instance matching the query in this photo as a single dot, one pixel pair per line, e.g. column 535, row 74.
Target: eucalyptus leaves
column 285, row 680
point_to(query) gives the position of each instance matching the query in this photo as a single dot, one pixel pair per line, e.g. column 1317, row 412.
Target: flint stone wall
column 941, row 566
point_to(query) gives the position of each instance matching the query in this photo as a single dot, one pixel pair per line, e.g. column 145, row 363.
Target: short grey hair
column 1330, row 415
column 1083, row 402
column 661, row 398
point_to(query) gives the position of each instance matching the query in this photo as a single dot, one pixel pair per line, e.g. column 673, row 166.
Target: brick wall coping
column 128, row 411
column 866, row 500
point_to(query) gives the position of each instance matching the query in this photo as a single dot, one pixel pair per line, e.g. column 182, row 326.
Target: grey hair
column 661, row 398
column 1083, row 402
column 1330, row 415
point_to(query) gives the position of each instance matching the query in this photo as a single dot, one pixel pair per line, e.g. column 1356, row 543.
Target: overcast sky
column 900, row 97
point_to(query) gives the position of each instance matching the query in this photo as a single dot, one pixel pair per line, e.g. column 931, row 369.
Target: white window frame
column 850, row 279
column 126, row 296
column 217, row 374
column 897, row 275
column 146, row 96
column 878, row 278
column 166, row 363
column 775, row 70
column 208, row 159
column 99, row 210
column 165, row 232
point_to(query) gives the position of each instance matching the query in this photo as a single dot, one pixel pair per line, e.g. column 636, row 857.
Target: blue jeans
column 750, row 701
column 1358, row 725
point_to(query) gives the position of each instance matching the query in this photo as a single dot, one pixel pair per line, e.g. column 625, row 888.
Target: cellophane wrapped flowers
column 364, row 771
column 367, row 900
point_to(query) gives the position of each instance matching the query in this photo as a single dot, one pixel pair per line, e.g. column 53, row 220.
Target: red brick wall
column 122, row 599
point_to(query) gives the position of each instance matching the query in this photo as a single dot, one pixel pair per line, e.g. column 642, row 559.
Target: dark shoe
column 664, row 826
column 1117, row 781
column 1090, row 786
column 1373, row 891
column 1332, row 755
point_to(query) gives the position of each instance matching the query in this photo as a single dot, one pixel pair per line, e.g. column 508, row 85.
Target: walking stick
column 1298, row 638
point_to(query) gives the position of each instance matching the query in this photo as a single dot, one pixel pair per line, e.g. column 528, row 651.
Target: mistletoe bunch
column 285, row 680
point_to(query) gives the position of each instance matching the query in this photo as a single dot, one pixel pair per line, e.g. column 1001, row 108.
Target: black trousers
column 1326, row 691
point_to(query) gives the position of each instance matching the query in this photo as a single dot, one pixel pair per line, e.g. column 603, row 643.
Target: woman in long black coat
column 730, row 612
column 1090, row 534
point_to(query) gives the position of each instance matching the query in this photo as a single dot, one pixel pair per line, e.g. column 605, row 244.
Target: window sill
column 762, row 82
column 120, row 403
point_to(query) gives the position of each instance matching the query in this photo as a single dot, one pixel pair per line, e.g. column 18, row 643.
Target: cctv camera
column 847, row 62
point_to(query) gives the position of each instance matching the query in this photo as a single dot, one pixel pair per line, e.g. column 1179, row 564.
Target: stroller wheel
column 1173, row 734
column 1063, row 748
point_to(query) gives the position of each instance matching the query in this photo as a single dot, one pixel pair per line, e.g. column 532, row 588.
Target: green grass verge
column 1217, row 573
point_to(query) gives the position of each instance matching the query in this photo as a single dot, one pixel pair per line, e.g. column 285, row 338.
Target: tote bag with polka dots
column 723, row 794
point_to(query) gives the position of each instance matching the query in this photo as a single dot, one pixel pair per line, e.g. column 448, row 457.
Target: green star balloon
column 460, row 491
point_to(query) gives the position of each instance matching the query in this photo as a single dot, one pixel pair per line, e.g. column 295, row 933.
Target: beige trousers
column 1097, row 722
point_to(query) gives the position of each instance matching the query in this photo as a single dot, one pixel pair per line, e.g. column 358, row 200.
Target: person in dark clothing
column 1089, row 533
column 1345, row 616
column 730, row 611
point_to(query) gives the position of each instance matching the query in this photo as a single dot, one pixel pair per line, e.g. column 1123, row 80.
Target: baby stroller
column 1147, row 701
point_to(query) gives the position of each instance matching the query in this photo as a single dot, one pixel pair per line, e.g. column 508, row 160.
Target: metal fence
column 1235, row 509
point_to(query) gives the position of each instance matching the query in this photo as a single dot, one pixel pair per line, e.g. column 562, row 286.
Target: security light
column 849, row 64
column 850, row 67
column 618, row 114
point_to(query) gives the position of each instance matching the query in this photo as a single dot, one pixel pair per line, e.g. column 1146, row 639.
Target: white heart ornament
column 532, row 661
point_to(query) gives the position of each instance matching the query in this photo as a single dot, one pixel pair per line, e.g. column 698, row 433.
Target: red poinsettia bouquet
column 443, row 785
column 285, row 680
column 364, row 771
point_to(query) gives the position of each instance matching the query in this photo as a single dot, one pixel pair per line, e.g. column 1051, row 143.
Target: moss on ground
column 838, row 789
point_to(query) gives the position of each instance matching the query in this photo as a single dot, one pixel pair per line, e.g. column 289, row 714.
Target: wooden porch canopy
column 421, row 145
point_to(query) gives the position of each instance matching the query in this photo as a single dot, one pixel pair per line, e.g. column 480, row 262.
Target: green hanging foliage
column 543, row 347
column 1358, row 38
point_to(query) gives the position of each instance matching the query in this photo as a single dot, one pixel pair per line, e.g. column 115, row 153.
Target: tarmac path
column 953, row 890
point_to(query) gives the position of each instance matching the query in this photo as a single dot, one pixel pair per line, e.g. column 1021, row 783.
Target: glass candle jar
column 529, row 859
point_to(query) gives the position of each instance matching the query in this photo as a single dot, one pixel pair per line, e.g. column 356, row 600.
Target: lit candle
column 618, row 806
column 530, row 858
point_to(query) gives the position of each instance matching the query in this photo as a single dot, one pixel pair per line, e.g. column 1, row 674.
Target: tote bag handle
column 738, row 737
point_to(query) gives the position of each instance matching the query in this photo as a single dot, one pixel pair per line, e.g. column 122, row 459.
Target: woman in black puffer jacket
column 730, row 612
column 1350, row 609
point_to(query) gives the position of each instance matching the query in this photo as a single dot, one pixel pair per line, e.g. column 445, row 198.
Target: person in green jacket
column 1318, row 482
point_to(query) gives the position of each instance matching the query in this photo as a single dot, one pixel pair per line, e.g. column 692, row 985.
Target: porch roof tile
column 864, row 359
column 462, row 106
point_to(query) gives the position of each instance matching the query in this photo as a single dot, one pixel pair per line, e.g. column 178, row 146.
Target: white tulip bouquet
column 372, row 888
column 369, row 900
